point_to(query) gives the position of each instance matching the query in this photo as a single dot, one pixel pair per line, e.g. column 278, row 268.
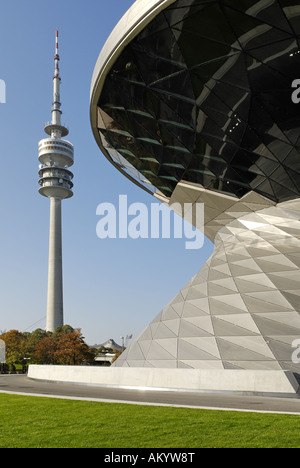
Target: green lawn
column 32, row 422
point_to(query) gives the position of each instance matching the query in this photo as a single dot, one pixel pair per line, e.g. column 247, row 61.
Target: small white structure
column 2, row 352
column 105, row 358
column 2, row 92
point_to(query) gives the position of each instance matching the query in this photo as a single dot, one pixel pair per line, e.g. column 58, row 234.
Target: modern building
column 105, row 357
column 56, row 155
column 192, row 101
column 109, row 344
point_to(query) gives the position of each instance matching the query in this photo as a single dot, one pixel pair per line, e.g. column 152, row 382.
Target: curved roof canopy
column 203, row 93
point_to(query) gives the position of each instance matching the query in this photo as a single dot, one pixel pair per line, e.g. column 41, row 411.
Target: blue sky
column 111, row 287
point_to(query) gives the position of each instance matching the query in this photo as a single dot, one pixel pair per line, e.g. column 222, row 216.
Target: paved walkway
column 21, row 384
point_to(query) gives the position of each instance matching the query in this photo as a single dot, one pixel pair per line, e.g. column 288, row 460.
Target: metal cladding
column 196, row 107
column 241, row 311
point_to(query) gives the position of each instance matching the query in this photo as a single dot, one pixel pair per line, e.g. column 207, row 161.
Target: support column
column 242, row 310
column 55, row 279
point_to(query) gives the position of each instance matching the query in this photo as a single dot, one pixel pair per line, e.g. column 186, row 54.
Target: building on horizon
column 109, row 344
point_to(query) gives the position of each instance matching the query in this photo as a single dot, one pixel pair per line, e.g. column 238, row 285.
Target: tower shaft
column 55, row 315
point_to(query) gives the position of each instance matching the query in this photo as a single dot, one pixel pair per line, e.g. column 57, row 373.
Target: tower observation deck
column 56, row 155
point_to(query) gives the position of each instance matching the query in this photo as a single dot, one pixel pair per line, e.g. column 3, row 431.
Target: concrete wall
column 261, row 382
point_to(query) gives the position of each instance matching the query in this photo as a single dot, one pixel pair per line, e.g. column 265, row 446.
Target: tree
column 72, row 350
column 30, row 342
column 15, row 347
column 60, row 331
column 45, row 350
column 64, row 346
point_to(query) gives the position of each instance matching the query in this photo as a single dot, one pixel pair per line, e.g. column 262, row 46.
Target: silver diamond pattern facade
column 241, row 311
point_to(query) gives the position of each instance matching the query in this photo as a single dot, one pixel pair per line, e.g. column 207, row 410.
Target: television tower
column 56, row 156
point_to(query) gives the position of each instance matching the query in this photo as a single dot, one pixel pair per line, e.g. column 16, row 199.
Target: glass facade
column 204, row 94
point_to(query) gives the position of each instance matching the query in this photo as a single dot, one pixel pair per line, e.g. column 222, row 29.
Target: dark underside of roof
column 204, row 94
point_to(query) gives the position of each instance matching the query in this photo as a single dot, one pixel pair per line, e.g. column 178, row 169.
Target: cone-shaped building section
column 241, row 311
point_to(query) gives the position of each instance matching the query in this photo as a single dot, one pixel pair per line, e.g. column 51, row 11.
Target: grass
column 33, row 422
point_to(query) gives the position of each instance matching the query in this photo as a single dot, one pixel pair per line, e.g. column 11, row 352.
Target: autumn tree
column 65, row 346
column 45, row 350
column 60, row 331
column 15, row 347
column 72, row 350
